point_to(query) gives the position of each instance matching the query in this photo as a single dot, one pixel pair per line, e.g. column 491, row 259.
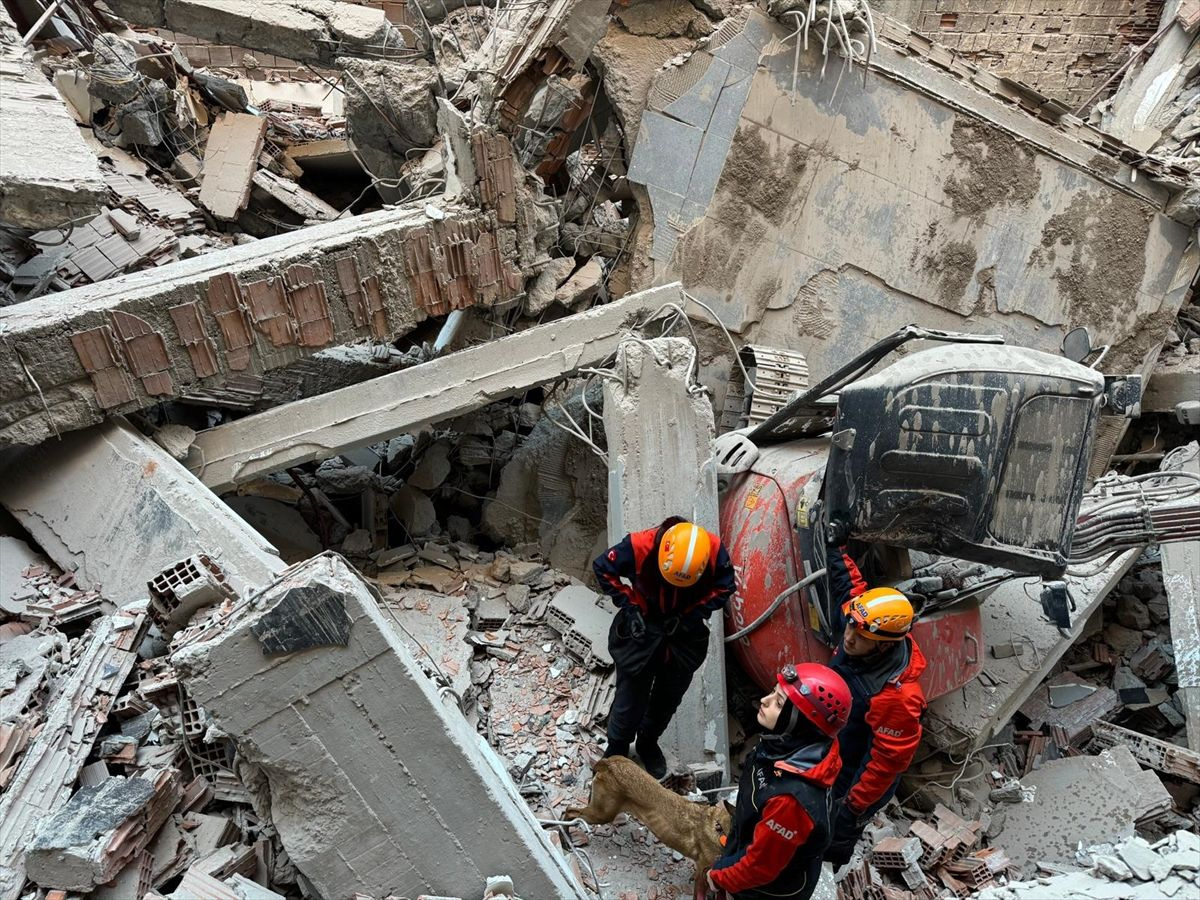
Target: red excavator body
column 971, row 451
column 759, row 515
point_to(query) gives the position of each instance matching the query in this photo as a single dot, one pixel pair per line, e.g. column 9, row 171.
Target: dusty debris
column 1166, row 868
column 543, row 159
column 230, row 161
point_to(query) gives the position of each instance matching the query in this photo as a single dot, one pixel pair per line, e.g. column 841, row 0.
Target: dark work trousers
column 643, row 704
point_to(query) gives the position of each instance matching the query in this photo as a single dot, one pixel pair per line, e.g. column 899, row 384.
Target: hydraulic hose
column 775, row 604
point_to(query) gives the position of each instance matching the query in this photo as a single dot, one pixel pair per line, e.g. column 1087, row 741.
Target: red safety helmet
column 819, row 693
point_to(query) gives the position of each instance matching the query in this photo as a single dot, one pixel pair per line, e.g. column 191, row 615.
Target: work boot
column 652, row 758
column 616, row 748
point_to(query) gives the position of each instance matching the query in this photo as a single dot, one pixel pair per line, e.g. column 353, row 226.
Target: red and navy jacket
column 635, row 559
column 845, row 580
column 884, row 730
column 781, row 826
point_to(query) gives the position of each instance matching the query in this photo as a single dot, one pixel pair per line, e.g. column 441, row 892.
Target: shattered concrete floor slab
column 1094, row 799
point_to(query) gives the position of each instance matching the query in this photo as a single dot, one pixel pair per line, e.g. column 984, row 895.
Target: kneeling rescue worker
column 678, row 574
column 881, row 663
column 782, row 822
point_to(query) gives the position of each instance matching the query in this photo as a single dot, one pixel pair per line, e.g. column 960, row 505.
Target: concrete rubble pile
column 338, row 338
column 166, row 801
column 181, row 150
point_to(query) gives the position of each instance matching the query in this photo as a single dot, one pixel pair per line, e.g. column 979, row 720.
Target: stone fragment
column 1132, row 612
column 1113, row 868
column 433, row 468
column 415, row 511
column 1122, row 639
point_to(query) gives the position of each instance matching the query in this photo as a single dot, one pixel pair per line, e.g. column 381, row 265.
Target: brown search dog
column 693, row 829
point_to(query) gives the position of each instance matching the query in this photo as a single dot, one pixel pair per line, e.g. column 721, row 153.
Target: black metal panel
column 976, row 452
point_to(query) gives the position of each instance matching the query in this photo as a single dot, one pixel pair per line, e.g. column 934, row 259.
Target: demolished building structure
column 337, row 338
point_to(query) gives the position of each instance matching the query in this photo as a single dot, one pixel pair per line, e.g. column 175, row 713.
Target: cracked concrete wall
column 72, row 358
column 824, row 219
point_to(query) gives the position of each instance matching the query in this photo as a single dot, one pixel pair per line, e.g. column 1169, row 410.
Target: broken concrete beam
column 965, row 719
column 1160, row 755
column 230, row 161
column 304, row 30
column 75, row 357
column 1181, row 578
column 656, row 419
column 117, row 509
column 100, row 830
column 322, row 426
column 1172, row 385
column 46, row 774
column 377, row 785
column 331, row 156
column 303, row 203
column 40, row 189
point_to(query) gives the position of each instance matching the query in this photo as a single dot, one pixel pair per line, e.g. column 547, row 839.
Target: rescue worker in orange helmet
column 881, row 663
column 666, row 582
column 782, row 822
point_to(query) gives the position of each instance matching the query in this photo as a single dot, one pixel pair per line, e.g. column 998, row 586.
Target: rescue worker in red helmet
column 880, row 661
column 666, row 582
column 782, row 821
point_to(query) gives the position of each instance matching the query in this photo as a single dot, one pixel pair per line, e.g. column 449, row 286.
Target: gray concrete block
column 40, row 189
column 377, row 784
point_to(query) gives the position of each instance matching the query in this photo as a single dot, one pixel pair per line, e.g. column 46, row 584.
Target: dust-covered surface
column 991, row 168
column 1098, row 248
column 812, row 313
column 665, row 18
column 757, row 190
column 953, row 265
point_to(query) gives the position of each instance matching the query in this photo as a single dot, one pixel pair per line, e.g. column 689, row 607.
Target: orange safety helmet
column 683, row 554
column 882, row 614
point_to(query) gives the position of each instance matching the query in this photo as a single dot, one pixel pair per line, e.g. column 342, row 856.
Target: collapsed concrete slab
column 40, row 190
column 116, row 509
column 1093, row 799
column 963, row 720
column 661, row 462
column 75, row 357
column 319, row 427
column 761, row 174
column 377, row 785
column 304, row 30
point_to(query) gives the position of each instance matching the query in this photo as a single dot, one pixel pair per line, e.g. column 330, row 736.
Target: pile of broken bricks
column 938, row 857
column 113, row 785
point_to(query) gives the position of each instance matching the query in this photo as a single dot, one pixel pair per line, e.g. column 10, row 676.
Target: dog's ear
column 729, row 807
